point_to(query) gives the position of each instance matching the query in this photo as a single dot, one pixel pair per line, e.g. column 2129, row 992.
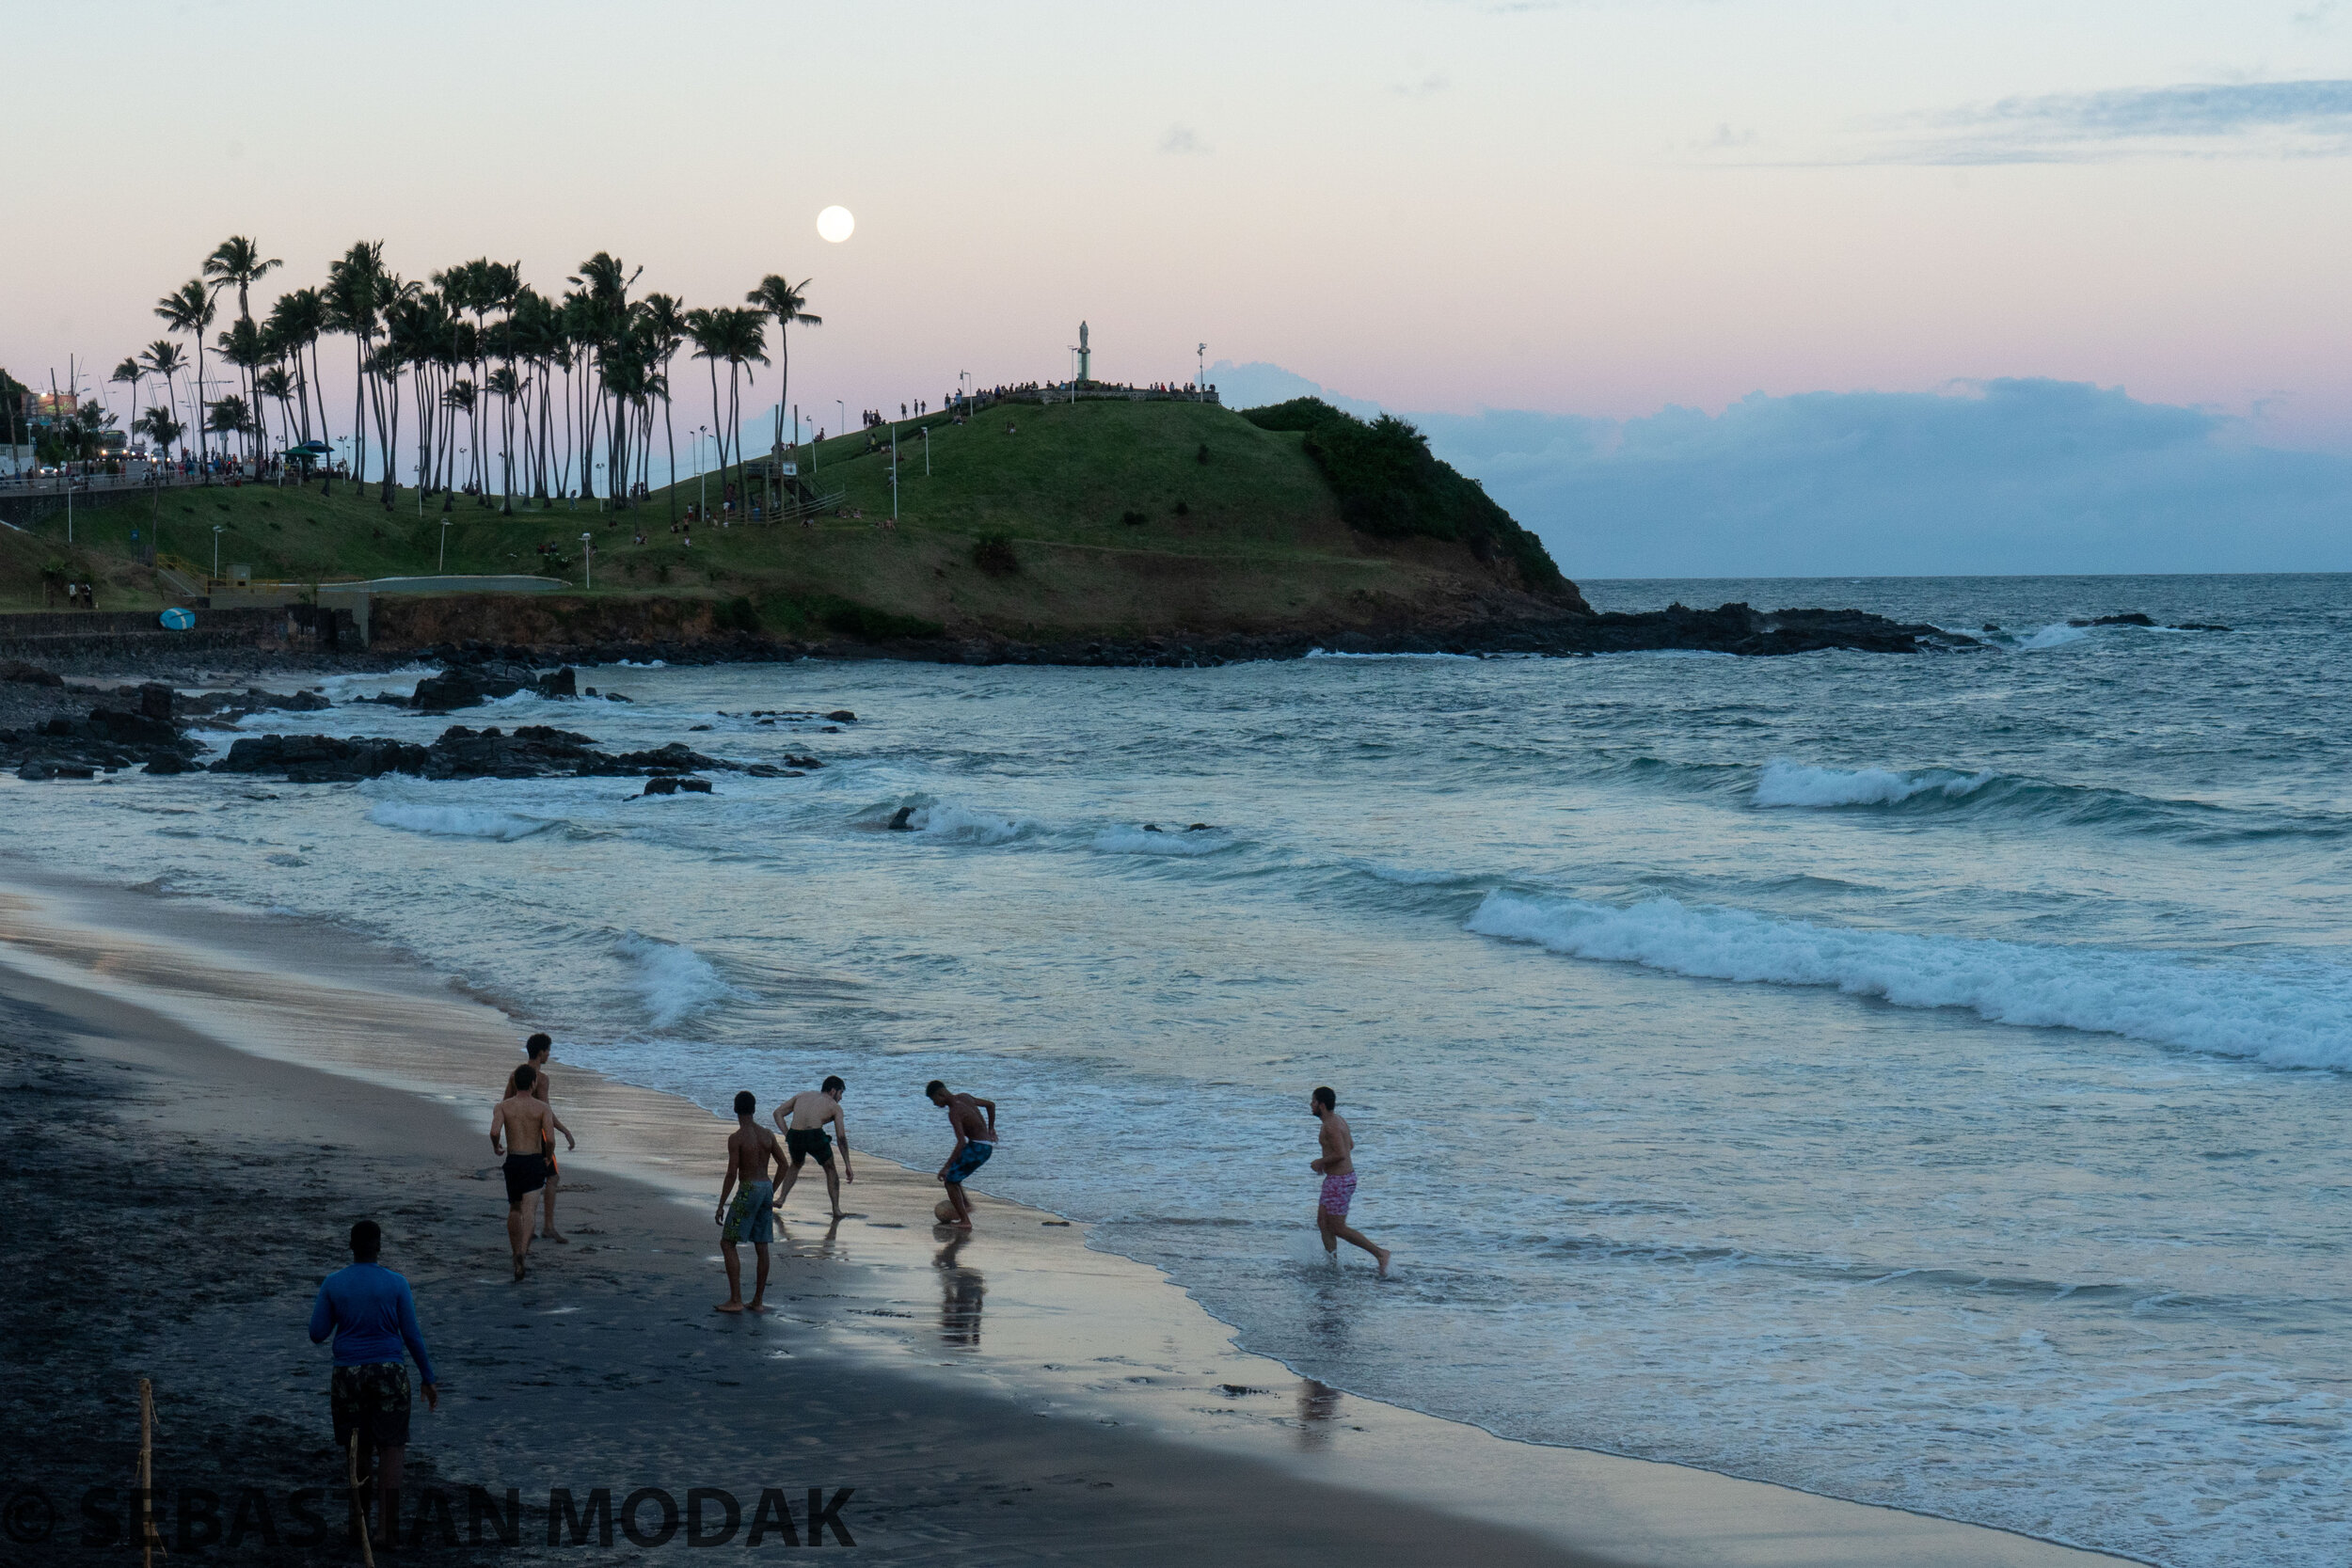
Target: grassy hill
column 1106, row 518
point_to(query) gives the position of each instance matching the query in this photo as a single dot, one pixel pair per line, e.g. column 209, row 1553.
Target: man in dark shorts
column 975, row 1140
column 370, row 1311
column 527, row 1127
column 802, row 1120
column 752, row 1216
column 542, row 1090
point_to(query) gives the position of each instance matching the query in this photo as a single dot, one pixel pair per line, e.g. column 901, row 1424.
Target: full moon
column 835, row 224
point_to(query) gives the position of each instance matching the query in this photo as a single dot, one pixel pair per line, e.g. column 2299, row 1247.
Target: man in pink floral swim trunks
column 1337, row 1166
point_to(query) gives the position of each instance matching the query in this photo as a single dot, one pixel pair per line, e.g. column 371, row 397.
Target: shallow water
column 1919, row 1080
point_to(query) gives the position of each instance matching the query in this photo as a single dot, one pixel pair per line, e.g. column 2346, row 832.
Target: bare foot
column 518, row 1265
column 960, row 1225
column 552, row 1236
column 728, row 1307
column 755, row 1306
column 1382, row 1253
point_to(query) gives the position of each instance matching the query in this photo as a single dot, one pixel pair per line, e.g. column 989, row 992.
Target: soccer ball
column 945, row 1211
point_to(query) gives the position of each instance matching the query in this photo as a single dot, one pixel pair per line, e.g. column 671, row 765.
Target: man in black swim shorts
column 803, row 1119
column 520, row 1131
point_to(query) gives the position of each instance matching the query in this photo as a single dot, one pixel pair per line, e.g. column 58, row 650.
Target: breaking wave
column 458, row 821
column 671, row 980
column 2279, row 1019
column 1789, row 784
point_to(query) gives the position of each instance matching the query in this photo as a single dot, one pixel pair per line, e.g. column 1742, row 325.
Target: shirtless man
column 536, row 1048
column 802, row 1120
column 750, row 1217
column 520, row 1129
column 975, row 1140
column 1337, row 1166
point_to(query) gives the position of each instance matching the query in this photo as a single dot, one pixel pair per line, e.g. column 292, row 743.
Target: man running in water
column 1337, row 1166
column 975, row 1140
column 526, row 1125
column 802, row 1120
column 750, row 1217
column 541, row 1090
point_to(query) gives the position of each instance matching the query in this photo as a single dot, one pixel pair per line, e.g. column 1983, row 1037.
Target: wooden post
column 358, row 1504
column 149, row 1541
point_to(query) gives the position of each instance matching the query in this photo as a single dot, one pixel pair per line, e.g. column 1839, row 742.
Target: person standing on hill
column 537, row 1048
column 372, row 1317
column 1337, row 1166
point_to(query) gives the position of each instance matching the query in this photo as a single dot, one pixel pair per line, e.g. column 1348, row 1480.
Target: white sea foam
column 457, row 822
column 1165, row 841
column 1327, row 652
column 1790, row 783
column 673, row 981
column 2056, row 636
column 2299, row 1020
column 960, row 825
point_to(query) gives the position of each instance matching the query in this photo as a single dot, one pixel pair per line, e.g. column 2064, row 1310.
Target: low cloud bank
column 1995, row 477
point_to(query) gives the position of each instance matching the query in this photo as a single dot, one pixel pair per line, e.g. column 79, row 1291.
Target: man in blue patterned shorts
column 752, row 1216
column 975, row 1140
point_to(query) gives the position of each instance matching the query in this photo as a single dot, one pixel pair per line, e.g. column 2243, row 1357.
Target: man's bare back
column 524, row 1118
column 1338, row 1147
column 749, row 1151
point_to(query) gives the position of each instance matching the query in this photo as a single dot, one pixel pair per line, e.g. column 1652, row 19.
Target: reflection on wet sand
column 825, row 1246
column 1318, row 1408
column 960, row 1293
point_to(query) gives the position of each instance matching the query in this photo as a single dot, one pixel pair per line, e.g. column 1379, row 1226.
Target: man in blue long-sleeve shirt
column 369, row 1311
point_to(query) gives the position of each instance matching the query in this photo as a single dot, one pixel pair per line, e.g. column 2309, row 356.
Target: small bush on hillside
column 1183, row 511
column 992, row 553
column 736, row 614
column 1133, row 519
column 1203, row 455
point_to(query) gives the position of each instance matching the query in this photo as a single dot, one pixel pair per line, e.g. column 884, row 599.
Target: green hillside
column 1107, row 518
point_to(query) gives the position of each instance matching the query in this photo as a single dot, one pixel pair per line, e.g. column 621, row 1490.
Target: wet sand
column 1010, row 1397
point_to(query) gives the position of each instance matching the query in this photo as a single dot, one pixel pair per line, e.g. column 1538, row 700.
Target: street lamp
column 444, row 566
column 927, row 452
column 217, row 527
column 702, row 467
column 843, row 429
column 588, row 558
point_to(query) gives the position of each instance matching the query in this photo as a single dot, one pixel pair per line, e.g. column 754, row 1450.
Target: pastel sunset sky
column 1595, row 210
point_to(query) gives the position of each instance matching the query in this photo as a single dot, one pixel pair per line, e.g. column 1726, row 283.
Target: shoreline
column 1026, row 1313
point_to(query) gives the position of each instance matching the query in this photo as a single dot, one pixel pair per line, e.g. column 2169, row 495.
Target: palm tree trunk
column 669, row 425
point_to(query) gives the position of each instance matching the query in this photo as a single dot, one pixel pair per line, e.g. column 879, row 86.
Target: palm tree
column 130, row 372
column 160, row 427
column 276, row 385
column 189, row 309
column 787, row 303
column 355, row 295
column 241, row 345
column 163, row 357
column 238, row 262
column 740, row 338
column 664, row 325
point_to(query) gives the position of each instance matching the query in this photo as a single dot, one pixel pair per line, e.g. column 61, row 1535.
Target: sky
column 1609, row 217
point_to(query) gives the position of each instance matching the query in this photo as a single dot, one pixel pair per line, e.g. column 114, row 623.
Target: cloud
column 1994, row 476
column 2202, row 119
column 1184, row 141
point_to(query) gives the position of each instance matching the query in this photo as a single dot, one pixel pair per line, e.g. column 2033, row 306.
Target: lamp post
column 444, row 566
column 588, row 558
column 702, row 469
column 894, row 476
column 217, row 527
column 963, row 383
column 927, row 452
column 1201, row 376
column 845, row 417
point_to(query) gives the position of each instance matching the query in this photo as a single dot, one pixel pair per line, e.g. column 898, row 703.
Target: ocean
column 1920, row 1079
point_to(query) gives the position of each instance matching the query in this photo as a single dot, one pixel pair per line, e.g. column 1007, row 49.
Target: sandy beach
column 206, row 1100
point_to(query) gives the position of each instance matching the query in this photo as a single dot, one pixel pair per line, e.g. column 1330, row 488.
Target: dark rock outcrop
column 21, row 673
column 107, row 740
column 667, row 784
column 530, row 751
column 471, row 685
